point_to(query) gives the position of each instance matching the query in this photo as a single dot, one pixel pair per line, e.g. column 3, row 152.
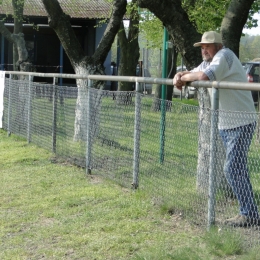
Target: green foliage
column 200, row 11
column 151, row 30
column 206, row 15
column 251, row 22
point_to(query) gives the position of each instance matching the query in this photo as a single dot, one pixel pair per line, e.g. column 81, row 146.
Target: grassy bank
column 56, row 211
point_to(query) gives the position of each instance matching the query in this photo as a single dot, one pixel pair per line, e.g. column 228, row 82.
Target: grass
column 56, row 211
column 192, row 102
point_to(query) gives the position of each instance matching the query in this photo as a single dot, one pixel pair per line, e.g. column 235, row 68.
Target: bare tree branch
column 5, row 32
column 60, row 22
column 118, row 12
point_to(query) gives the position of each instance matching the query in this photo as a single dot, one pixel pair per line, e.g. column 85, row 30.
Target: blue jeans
column 237, row 142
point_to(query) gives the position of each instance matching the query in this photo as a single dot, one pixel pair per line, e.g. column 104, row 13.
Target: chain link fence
column 125, row 137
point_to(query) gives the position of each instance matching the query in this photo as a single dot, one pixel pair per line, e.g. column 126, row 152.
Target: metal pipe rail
column 95, row 77
column 226, row 85
column 197, row 84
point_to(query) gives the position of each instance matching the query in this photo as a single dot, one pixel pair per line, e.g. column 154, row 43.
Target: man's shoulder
column 226, row 55
column 225, row 51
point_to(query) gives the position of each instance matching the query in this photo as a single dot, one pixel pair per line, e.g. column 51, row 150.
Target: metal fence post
column 213, row 159
column 137, row 131
column 163, row 99
column 9, row 107
column 54, row 116
column 88, row 141
column 29, row 122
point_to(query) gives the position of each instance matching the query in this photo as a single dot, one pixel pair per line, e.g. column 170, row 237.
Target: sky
column 254, row 31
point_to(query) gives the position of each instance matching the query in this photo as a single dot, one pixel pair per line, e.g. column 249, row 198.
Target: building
column 43, row 45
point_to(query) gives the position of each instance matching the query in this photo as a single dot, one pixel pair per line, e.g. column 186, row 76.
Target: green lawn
column 55, row 211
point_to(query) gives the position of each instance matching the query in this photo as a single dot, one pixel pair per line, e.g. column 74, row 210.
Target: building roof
column 86, row 9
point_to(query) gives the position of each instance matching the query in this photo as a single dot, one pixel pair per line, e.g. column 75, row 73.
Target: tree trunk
column 171, row 69
column 18, row 28
column 82, row 64
column 233, row 23
column 129, row 53
column 181, row 30
column 20, row 57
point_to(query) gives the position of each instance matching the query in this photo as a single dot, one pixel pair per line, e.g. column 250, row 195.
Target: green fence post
column 163, row 96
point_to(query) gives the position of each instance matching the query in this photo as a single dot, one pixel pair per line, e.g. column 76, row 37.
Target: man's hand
column 181, row 78
column 177, row 80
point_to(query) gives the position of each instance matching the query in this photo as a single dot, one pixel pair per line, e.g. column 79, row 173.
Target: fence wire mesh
column 174, row 152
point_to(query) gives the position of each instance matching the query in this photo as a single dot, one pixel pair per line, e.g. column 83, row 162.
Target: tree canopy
column 249, row 47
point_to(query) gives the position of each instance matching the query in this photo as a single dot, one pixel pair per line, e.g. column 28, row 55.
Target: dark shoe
column 242, row 221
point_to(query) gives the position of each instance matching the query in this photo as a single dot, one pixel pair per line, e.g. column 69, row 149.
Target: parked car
column 187, row 92
column 252, row 69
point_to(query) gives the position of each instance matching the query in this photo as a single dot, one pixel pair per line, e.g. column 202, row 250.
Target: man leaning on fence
column 221, row 64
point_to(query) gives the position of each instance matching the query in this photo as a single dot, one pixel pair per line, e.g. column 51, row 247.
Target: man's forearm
column 194, row 76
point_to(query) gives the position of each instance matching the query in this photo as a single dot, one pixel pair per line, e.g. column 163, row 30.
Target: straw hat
column 209, row 37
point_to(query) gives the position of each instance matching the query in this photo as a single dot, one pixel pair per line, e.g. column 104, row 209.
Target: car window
column 256, row 70
column 247, row 67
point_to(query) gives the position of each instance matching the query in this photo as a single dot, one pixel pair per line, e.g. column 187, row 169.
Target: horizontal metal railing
column 197, row 84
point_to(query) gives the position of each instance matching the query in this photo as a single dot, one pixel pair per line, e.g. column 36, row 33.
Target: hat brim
column 197, row 44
